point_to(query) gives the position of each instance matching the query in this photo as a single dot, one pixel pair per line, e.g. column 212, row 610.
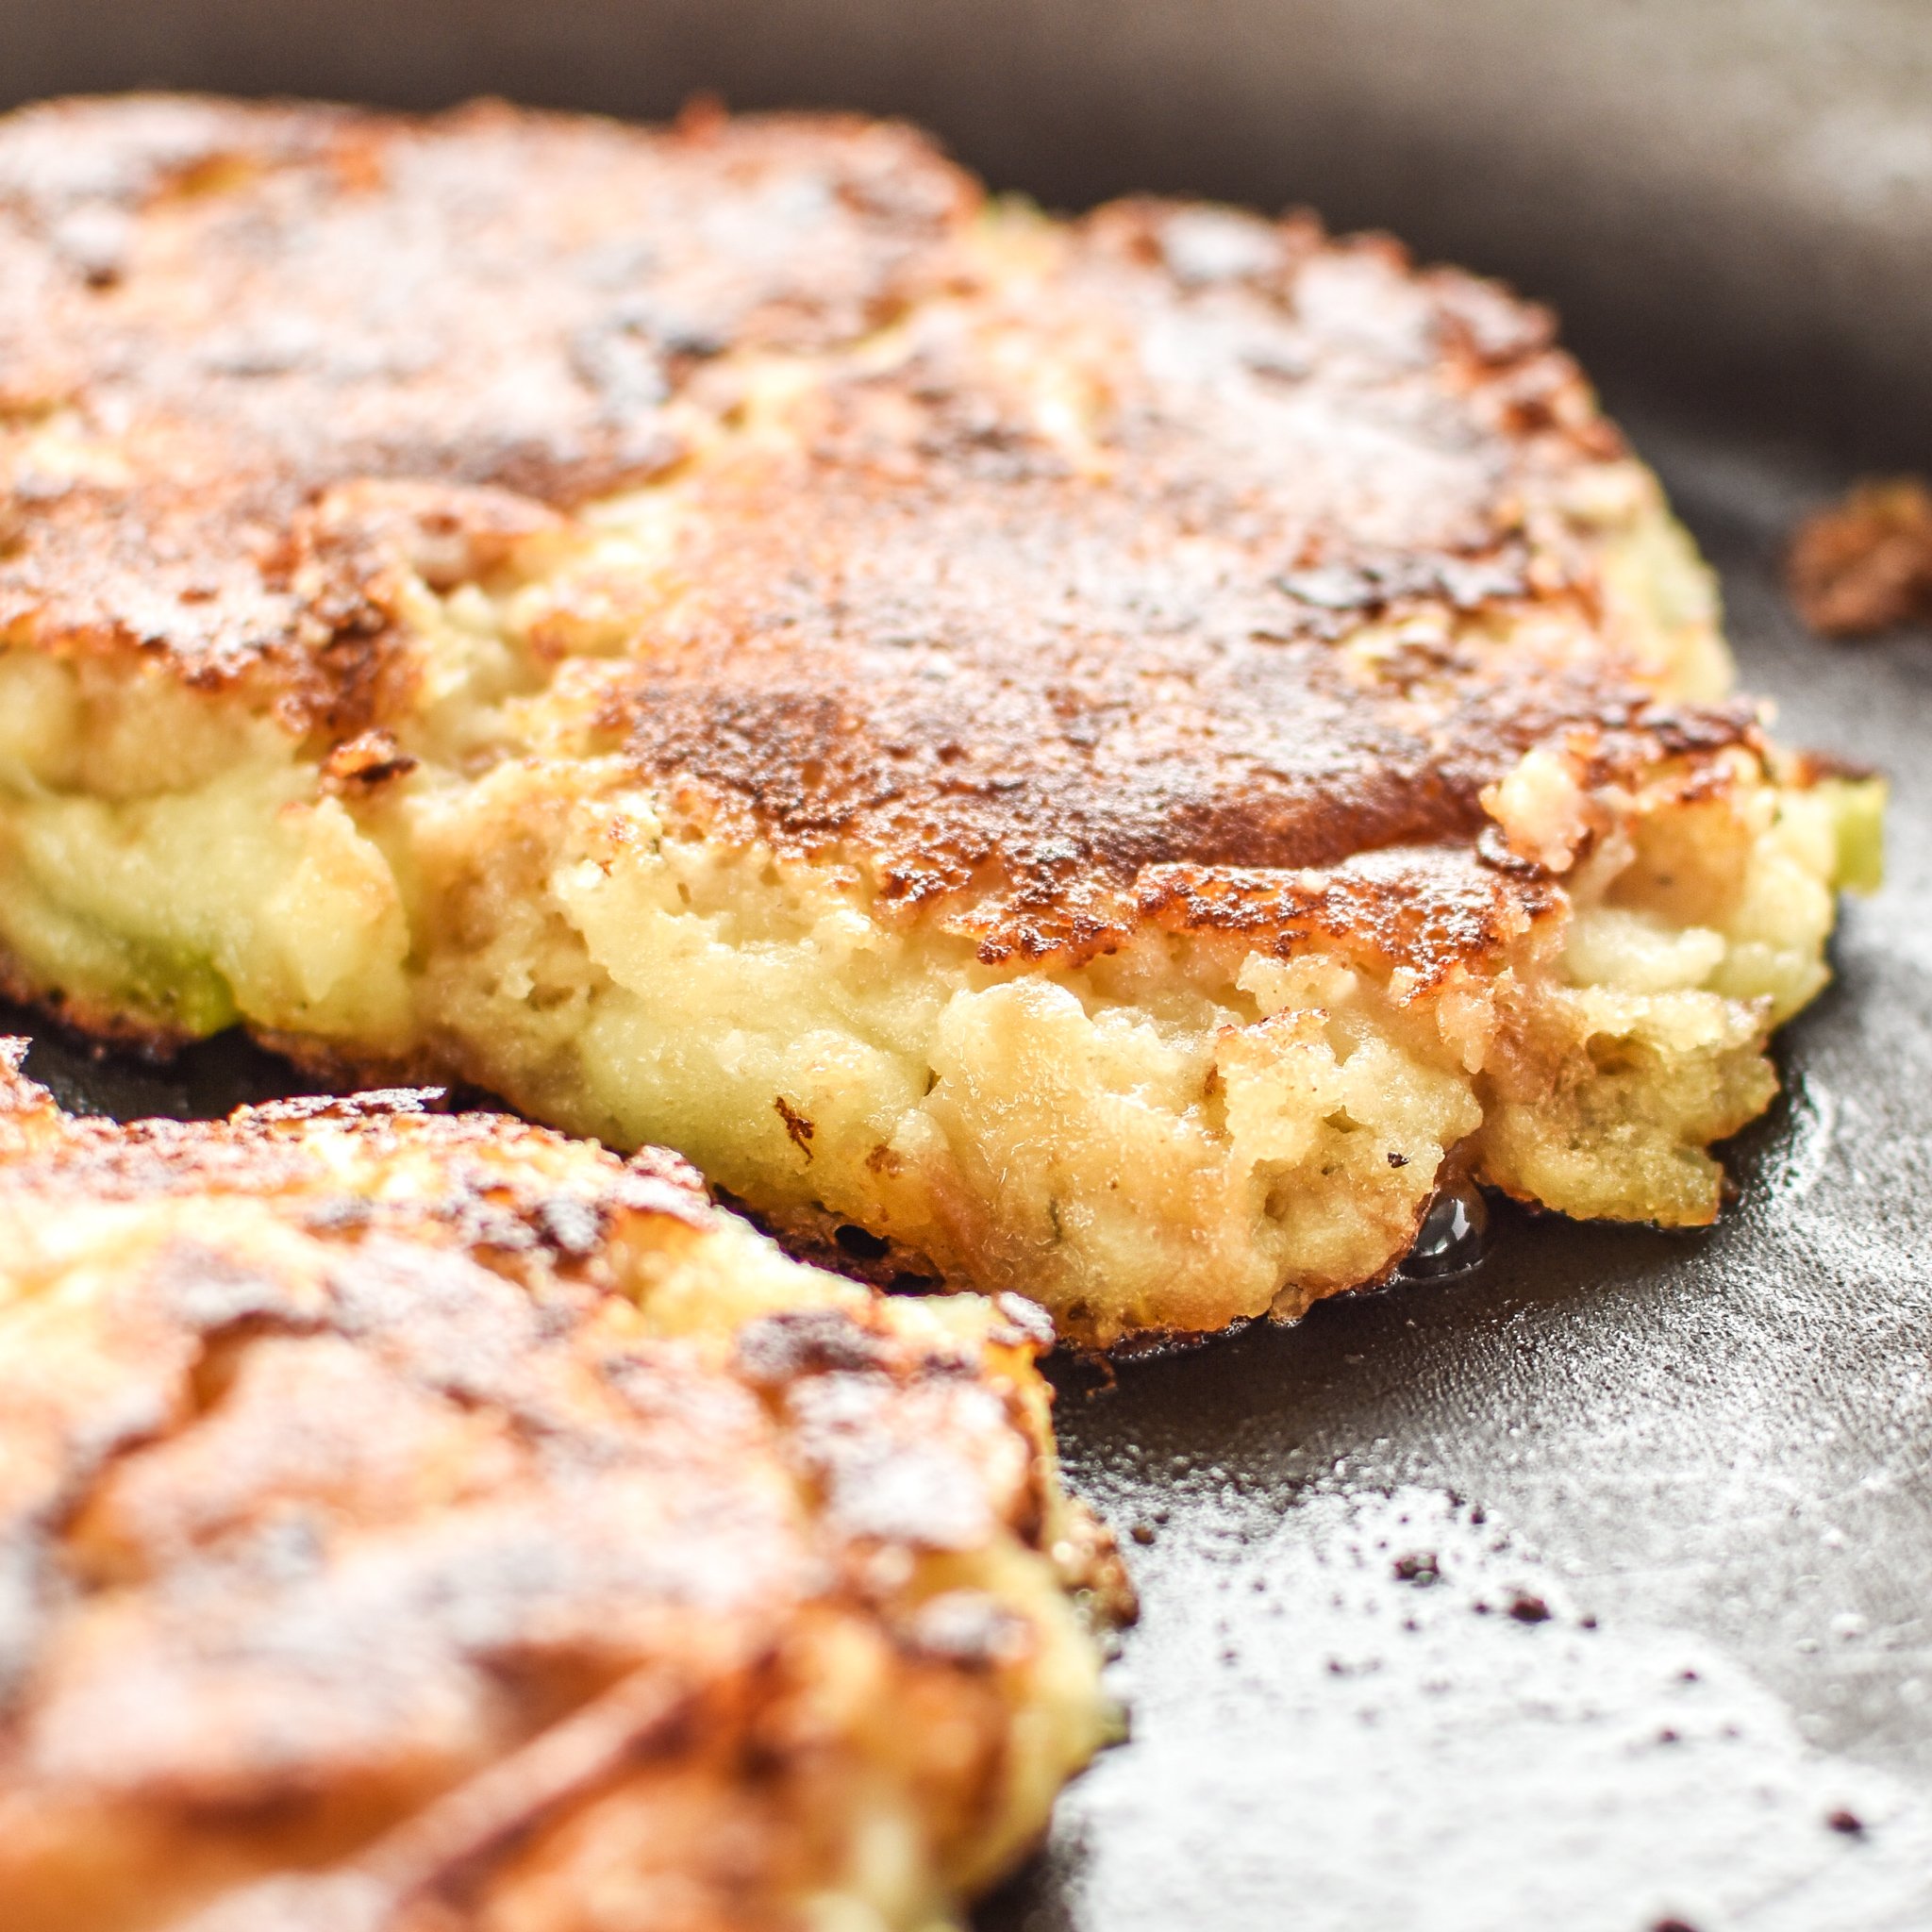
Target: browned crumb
column 1865, row 564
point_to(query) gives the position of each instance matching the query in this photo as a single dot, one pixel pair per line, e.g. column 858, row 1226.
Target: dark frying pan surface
column 1589, row 1589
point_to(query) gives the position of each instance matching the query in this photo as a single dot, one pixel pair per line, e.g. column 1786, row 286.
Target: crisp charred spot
column 798, row 1129
column 371, row 759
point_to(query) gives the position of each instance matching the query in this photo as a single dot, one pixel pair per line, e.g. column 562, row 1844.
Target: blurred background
column 1731, row 199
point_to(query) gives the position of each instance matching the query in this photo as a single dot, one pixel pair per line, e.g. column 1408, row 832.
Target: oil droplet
column 1453, row 1238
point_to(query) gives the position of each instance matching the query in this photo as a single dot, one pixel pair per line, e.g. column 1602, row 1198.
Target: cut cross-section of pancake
column 413, row 1521
column 1111, row 757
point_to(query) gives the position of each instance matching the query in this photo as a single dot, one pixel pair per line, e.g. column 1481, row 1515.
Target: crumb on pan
column 1864, row 565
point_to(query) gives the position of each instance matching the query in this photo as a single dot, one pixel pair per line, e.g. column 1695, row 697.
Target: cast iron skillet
column 1588, row 1589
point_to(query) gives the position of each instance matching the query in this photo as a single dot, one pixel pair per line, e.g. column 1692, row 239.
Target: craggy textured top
column 1030, row 588
column 1050, row 607
column 241, row 306
column 362, row 1511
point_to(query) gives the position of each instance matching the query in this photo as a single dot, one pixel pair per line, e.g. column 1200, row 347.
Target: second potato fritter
column 422, row 1524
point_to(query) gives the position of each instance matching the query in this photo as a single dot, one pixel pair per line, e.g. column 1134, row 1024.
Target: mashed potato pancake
column 417, row 1522
column 1105, row 757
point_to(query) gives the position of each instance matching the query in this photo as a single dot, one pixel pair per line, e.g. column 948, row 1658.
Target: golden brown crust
column 231, row 309
column 1011, row 650
column 352, row 1523
column 1018, row 667
column 1424, row 909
